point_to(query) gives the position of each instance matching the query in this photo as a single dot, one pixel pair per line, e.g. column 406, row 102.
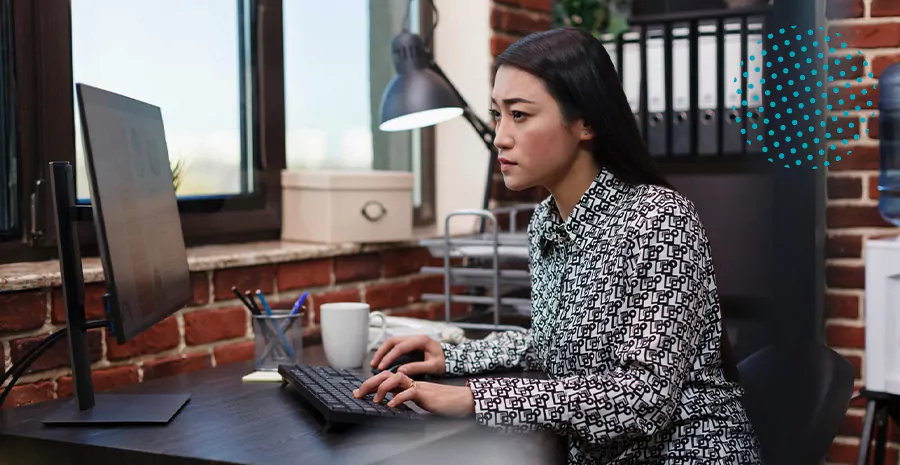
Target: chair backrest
column 796, row 396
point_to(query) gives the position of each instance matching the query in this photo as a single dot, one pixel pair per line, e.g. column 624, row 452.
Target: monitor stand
column 86, row 408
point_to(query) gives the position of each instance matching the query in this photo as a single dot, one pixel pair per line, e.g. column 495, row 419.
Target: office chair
column 796, row 396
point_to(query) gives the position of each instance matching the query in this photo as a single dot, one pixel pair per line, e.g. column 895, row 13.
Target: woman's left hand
column 450, row 401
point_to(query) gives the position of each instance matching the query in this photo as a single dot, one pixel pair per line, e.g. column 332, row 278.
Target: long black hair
column 578, row 73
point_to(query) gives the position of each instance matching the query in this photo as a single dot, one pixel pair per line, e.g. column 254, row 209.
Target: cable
column 18, row 369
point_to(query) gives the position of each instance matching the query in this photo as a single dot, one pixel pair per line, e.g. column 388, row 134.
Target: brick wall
column 872, row 26
column 215, row 329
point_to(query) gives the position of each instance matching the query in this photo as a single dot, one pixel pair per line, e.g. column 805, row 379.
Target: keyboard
column 330, row 392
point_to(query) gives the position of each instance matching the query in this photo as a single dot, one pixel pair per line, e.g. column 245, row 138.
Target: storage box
column 347, row 206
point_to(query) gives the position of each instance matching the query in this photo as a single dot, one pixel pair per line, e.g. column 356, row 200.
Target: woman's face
column 537, row 147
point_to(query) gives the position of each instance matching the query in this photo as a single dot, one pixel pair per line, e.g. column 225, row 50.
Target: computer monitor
column 139, row 237
column 135, row 210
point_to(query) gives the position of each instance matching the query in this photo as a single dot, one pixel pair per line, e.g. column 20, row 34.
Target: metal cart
column 476, row 250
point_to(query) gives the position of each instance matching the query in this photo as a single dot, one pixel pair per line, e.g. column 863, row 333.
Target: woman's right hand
column 397, row 346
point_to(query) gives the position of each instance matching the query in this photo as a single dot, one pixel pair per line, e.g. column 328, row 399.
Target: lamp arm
column 487, row 136
column 485, row 131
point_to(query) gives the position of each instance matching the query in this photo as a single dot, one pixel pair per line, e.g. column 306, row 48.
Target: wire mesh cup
column 278, row 340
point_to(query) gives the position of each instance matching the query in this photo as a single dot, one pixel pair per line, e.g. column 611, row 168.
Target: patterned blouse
column 626, row 323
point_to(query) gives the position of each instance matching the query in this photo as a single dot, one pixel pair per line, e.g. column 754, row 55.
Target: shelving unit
column 483, row 255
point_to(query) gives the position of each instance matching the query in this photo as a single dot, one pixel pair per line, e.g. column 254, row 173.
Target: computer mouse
column 409, row 357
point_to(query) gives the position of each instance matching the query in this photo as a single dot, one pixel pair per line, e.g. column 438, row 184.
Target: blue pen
column 268, row 309
column 299, row 303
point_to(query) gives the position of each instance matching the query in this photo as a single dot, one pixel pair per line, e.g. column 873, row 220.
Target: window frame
column 45, row 120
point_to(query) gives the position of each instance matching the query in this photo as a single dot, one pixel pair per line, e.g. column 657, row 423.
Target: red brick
column 176, row 365
column 851, row 426
column 843, row 246
column 840, row 453
column 208, row 326
column 851, row 216
column 536, row 5
column 517, row 21
column 240, row 352
column 873, row 187
column 402, row 262
column 861, row 100
column 867, row 35
column 457, row 310
column 26, row 394
column 247, row 278
column 842, row 306
column 844, row 187
column 845, row 277
column 857, row 363
column 93, row 303
column 301, row 275
column 22, row 310
column 882, row 8
column 500, row 43
column 425, row 284
column 881, row 63
column 847, row 337
column 200, row 281
column 344, row 295
column 843, row 123
column 387, row 295
column 357, row 268
column 873, row 127
column 853, row 157
column 107, row 378
column 836, row 9
column 159, row 337
column 58, row 355
column 426, row 312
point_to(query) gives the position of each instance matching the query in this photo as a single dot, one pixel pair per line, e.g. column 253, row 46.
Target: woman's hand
column 397, row 346
column 450, row 401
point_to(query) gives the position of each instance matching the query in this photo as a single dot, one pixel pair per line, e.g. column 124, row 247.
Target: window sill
column 33, row 275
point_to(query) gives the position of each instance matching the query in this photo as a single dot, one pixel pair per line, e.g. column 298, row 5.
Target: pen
column 244, row 301
column 268, row 310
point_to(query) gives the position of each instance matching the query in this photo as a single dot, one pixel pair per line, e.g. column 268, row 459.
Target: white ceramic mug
column 345, row 332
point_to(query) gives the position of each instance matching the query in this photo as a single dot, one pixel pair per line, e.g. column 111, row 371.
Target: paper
column 262, row 377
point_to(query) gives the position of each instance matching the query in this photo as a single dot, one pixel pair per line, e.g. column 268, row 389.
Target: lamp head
column 416, row 97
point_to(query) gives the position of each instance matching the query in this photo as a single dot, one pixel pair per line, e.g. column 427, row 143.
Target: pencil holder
column 278, row 340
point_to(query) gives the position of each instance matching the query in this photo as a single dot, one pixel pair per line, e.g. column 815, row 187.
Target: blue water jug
column 889, row 150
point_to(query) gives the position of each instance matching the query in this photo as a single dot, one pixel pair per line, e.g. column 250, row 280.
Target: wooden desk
column 228, row 421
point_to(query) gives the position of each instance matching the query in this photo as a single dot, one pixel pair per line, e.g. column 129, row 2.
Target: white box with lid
column 330, row 206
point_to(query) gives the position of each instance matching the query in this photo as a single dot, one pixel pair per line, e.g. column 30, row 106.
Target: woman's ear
column 586, row 133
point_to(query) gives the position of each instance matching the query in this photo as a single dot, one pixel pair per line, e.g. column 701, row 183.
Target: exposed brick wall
column 510, row 20
column 215, row 329
column 852, row 214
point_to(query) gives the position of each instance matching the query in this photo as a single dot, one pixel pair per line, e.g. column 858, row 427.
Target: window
column 185, row 63
column 333, row 90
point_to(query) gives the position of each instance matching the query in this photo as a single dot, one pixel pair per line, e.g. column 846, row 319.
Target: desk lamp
column 421, row 95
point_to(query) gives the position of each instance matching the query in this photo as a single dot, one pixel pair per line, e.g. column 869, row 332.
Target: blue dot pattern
column 799, row 87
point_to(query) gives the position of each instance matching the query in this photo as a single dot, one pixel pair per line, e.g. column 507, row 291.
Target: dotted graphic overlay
column 782, row 70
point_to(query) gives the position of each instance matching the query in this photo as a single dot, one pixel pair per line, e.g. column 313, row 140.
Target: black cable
column 19, row 368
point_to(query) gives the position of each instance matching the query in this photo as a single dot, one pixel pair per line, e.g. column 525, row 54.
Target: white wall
column 462, row 50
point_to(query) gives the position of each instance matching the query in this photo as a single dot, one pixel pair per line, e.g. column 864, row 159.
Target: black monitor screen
column 135, row 210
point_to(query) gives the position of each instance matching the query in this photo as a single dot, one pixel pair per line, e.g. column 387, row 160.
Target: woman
column 626, row 318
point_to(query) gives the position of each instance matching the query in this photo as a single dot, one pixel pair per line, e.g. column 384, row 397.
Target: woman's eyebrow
column 512, row 101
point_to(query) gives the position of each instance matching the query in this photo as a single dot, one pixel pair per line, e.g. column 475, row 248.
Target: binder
column 681, row 93
column 708, row 85
column 656, row 97
column 754, row 95
column 732, row 139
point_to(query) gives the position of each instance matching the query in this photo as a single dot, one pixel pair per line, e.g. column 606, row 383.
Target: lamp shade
column 416, row 97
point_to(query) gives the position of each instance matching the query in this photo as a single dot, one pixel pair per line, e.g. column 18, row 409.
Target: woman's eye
column 517, row 115
column 494, row 113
